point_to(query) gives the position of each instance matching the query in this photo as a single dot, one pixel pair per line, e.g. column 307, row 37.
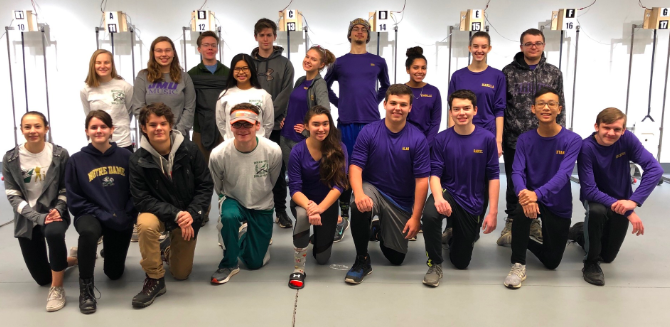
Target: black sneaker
column 593, row 274
column 360, row 269
column 576, row 230
column 152, row 288
column 87, row 301
column 375, row 228
column 284, row 220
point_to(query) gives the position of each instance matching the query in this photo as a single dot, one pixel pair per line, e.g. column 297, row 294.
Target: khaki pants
column 181, row 251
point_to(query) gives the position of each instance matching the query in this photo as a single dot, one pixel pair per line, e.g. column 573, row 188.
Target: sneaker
column 136, row 234
column 100, row 240
column 297, row 281
column 506, row 234
column 164, row 236
column 340, row 229
column 421, row 228
column 344, row 210
column 536, row 230
column 165, row 252
column 575, row 231
column 151, row 289
column 284, row 220
column 222, row 276
column 593, row 274
column 413, row 238
column 56, row 298
column 87, row 300
column 375, row 228
column 447, row 235
column 433, row 276
column 359, row 270
column 516, row 275
column 243, row 230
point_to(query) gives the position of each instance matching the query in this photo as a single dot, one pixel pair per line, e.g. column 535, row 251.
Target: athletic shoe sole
column 353, row 282
column 517, row 286
column 87, row 311
column 431, row 285
column 139, row 305
column 54, row 309
column 225, row 280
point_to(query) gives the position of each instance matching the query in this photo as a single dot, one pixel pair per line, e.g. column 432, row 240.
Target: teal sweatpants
column 253, row 245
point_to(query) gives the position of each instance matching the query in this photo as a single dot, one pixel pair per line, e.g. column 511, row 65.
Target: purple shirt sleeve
column 500, row 102
column 587, row 181
column 652, row 170
column 519, row 167
column 492, row 166
column 562, row 176
column 294, row 172
column 331, row 76
column 436, row 158
column 435, row 119
column 384, row 82
column 359, row 156
column 346, row 168
column 421, row 159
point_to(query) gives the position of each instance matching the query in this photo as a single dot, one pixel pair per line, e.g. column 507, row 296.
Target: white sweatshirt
column 234, row 96
column 113, row 97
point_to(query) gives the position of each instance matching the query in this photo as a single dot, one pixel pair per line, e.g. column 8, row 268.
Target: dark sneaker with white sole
column 151, row 289
column 340, row 229
column 284, row 220
column 593, row 274
column 222, row 275
column 359, row 270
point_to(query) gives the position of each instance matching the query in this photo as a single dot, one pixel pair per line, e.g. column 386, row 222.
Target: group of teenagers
column 252, row 126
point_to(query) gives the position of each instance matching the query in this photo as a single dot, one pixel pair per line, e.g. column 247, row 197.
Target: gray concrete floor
column 636, row 294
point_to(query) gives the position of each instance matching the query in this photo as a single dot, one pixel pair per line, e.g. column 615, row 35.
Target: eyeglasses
column 241, row 69
column 242, row 125
column 161, row 51
column 551, row 105
column 209, row 45
column 536, row 44
column 359, row 29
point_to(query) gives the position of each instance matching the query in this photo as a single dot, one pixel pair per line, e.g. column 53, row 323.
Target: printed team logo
column 620, row 155
column 118, row 97
column 257, row 103
column 268, row 74
column 107, row 181
column 262, row 168
column 560, row 152
column 479, row 151
column 488, row 85
column 372, row 65
column 405, row 148
column 28, row 175
column 426, row 95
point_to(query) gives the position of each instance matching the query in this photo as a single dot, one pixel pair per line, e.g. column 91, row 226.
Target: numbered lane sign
column 24, row 21
column 472, row 20
column 380, row 21
column 202, row 20
column 115, row 22
column 656, row 18
column 290, row 20
column 569, row 21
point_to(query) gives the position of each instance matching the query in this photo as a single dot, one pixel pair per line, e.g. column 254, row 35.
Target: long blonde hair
column 92, row 79
column 153, row 69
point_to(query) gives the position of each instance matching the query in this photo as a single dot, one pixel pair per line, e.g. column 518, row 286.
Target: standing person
column 105, row 90
column 606, row 191
column 242, row 86
column 317, row 173
column 527, row 74
column 171, row 189
column 34, row 174
column 389, row 177
column 426, row 111
column 164, row 81
column 543, row 163
column 98, row 191
column 275, row 73
column 245, row 169
column 464, row 161
column 357, row 74
column 209, row 80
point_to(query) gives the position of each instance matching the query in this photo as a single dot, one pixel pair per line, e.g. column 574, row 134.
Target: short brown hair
column 264, row 23
column 465, row 95
column 100, row 114
column 246, row 106
column 206, row 34
column 159, row 109
column 531, row 31
column 399, row 89
column 610, row 115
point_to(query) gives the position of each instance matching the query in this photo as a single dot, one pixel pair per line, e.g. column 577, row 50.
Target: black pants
column 511, row 198
column 279, row 191
column 130, row 148
column 554, row 234
column 114, row 242
column 34, row 251
column 604, row 232
column 465, row 230
column 323, row 234
column 360, row 232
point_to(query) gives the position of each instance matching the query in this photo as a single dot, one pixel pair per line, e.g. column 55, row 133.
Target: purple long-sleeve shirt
column 490, row 87
column 295, row 113
column 357, row 76
column 604, row 171
column 465, row 164
column 544, row 165
column 426, row 111
column 304, row 173
column 392, row 161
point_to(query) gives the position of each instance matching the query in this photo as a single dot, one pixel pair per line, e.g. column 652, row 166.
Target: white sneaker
column 56, row 299
column 516, row 275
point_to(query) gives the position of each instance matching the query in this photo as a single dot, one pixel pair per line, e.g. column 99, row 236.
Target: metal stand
column 306, row 40
column 451, row 31
column 11, row 83
column 25, row 78
column 288, row 45
column 630, row 64
column 560, row 51
column 46, row 80
column 665, row 92
column 651, row 78
column 111, row 38
column 218, row 30
column 574, row 81
column 395, row 57
column 469, row 54
column 97, row 38
column 183, row 31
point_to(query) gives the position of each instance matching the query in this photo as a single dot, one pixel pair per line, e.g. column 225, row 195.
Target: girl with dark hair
column 164, row 81
column 242, row 86
column 98, row 190
column 106, row 90
column 35, row 187
column 317, row 173
column 426, row 111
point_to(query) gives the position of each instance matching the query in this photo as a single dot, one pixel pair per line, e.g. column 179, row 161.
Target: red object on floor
column 296, row 283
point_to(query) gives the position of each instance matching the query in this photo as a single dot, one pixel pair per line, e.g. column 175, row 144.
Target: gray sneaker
column 433, row 276
column 516, row 275
column 222, row 276
column 506, row 234
column 56, row 299
column 446, row 236
column 340, row 229
column 536, row 230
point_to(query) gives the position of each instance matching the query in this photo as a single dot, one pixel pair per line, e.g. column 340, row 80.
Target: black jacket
column 207, row 90
column 190, row 188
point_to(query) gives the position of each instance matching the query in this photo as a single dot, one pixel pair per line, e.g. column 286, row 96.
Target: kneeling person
column 464, row 176
column 543, row 163
column 245, row 169
column 389, row 178
column 606, row 191
column 171, row 188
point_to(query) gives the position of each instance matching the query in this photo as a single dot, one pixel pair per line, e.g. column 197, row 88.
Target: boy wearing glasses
column 244, row 170
column 528, row 73
column 543, row 163
column 357, row 74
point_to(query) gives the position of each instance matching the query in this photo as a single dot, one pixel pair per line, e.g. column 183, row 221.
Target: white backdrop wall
column 601, row 78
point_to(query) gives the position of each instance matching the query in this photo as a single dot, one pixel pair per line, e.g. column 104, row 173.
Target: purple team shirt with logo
column 304, row 173
column 490, row 87
column 426, row 111
column 295, row 113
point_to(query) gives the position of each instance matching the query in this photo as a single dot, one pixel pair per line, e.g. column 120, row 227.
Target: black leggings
column 360, row 232
column 35, row 251
column 604, row 233
column 279, row 191
column 114, row 242
column 511, row 198
column 554, row 234
column 323, row 235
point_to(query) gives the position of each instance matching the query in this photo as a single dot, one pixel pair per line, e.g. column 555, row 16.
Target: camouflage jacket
column 522, row 83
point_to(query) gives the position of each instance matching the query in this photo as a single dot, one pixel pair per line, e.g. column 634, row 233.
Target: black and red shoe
column 297, row 281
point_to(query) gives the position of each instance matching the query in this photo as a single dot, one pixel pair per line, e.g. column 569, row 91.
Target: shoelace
column 91, row 293
column 435, row 268
column 55, row 293
column 148, row 285
column 517, row 270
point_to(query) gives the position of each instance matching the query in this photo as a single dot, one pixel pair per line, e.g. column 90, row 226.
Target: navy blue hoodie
column 97, row 184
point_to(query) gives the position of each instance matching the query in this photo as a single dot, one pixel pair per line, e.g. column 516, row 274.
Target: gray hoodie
column 166, row 165
column 275, row 74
